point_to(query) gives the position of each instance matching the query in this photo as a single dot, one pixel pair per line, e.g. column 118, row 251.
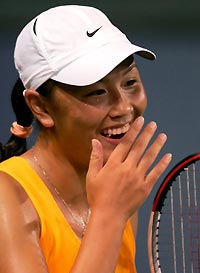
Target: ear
column 39, row 108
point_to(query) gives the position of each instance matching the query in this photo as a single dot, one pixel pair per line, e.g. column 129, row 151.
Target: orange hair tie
column 21, row 131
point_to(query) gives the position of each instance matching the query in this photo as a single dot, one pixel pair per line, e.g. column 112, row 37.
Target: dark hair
column 24, row 117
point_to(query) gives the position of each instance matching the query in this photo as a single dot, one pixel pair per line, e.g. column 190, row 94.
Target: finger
column 158, row 170
column 141, row 143
column 123, row 148
column 152, row 152
column 96, row 159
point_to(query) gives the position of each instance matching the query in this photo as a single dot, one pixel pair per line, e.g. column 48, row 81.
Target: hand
column 122, row 185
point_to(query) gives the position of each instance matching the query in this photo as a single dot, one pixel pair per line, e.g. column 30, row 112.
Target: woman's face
column 103, row 110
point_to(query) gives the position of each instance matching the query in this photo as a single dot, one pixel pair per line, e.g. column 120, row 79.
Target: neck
column 61, row 174
column 69, row 194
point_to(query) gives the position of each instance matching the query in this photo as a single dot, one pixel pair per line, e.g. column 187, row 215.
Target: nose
column 121, row 106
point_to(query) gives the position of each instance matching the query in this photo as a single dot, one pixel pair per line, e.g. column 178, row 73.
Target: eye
column 98, row 92
column 131, row 82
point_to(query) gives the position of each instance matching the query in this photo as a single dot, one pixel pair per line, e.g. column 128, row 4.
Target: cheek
column 143, row 102
column 74, row 114
column 139, row 102
column 86, row 118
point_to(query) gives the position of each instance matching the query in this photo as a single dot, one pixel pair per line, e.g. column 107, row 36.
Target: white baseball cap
column 72, row 44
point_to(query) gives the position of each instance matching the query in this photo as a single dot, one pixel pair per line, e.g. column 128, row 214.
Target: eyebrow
column 129, row 68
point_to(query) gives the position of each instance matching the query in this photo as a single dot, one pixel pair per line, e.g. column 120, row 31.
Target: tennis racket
column 174, row 225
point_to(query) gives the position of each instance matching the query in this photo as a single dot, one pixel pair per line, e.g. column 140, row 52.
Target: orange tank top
column 59, row 242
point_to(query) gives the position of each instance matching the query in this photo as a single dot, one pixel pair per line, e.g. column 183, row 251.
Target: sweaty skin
column 96, row 152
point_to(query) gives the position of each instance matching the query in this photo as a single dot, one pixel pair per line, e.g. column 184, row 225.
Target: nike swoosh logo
column 90, row 34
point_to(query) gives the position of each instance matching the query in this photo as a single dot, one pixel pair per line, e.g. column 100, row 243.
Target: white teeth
column 117, row 131
column 109, row 132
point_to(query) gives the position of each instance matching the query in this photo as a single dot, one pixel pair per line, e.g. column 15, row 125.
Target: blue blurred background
column 172, row 30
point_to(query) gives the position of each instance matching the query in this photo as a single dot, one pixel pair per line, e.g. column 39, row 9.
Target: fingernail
column 163, row 136
column 152, row 124
column 139, row 120
column 168, row 156
column 94, row 143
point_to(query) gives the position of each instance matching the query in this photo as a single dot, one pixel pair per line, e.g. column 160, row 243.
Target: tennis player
column 70, row 203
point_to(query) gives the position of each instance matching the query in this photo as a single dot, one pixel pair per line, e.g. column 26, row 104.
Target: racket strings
column 192, row 257
column 173, row 229
column 197, row 252
column 176, row 242
column 182, row 225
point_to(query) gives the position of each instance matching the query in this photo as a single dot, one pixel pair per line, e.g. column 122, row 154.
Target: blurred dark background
column 172, row 30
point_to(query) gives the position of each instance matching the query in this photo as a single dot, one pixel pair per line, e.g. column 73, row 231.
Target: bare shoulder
column 15, row 205
column 19, row 230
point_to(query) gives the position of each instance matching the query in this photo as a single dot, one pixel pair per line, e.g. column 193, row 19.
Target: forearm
column 134, row 223
column 100, row 246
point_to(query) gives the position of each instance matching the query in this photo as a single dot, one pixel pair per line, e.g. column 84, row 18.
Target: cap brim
column 96, row 64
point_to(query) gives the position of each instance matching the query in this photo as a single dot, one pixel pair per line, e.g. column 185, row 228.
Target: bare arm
column 112, row 204
column 115, row 192
column 19, row 231
column 134, row 223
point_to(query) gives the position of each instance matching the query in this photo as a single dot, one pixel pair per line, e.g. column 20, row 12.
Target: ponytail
column 20, row 129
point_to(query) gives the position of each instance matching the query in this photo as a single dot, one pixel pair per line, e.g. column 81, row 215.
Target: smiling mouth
column 116, row 133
